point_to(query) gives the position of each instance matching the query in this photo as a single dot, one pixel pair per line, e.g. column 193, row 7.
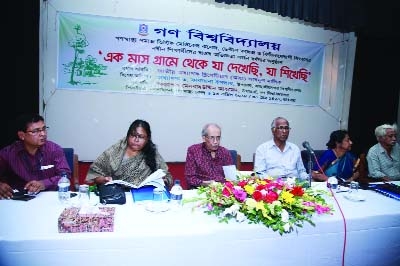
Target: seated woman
column 338, row 160
column 132, row 159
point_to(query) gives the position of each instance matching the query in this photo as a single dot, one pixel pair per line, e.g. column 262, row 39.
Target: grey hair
column 273, row 124
column 380, row 131
column 204, row 132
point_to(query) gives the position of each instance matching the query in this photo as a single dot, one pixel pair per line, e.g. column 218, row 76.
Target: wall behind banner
column 91, row 121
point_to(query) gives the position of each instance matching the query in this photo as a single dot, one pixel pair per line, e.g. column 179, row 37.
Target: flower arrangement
column 278, row 204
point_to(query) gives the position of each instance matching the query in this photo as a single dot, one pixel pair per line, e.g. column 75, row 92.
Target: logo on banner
column 143, row 29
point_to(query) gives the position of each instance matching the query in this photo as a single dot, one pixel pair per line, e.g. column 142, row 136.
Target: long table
column 29, row 236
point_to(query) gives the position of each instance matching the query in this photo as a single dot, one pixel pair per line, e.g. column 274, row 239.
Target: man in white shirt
column 384, row 157
column 279, row 157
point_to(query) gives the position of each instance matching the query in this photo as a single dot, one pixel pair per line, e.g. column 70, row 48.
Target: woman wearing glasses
column 337, row 160
column 279, row 157
column 132, row 158
column 32, row 163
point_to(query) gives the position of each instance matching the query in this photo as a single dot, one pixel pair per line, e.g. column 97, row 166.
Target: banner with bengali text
column 150, row 57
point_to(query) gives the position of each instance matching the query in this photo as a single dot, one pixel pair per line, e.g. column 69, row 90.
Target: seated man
column 384, row 157
column 278, row 157
column 31, row 163
column 204, row 160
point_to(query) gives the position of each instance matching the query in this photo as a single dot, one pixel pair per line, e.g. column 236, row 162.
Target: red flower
column 242, row 183
column 261, row 187
column 257, row 195
column 226, row 191
column 229, row 185
column 271, row 196
column 297, row 191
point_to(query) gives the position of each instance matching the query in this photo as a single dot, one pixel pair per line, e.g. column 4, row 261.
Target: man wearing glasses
column 384, row 157
column 279, row 157
column 32, row 163
column 204, row 160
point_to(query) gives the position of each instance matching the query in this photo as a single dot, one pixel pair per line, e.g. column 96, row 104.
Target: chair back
column 69, row 155
column 305, row 156
column 73, row 164
column 236, row 159
column 363, row 168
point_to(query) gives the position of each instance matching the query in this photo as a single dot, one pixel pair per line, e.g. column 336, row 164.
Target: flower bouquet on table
column 279, row 204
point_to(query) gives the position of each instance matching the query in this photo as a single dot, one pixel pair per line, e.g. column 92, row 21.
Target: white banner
column 151, row 57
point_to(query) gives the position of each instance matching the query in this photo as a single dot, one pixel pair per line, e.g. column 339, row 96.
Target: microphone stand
column 310, row 167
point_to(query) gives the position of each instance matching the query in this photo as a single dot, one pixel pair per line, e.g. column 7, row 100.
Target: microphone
column 307, row 146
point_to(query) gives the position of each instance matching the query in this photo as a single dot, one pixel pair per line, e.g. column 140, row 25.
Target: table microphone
column 307, row 146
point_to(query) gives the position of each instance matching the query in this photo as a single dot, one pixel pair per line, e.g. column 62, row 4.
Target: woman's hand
column 102, row 179
column 317, row 176
column 355, row 176
column 166, row 181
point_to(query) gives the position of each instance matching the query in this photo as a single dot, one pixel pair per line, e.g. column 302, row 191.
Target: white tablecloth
column 29, row 236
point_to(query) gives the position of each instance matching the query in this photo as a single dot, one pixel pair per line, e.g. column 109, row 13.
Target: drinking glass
column 84, row 194
column 158, row 200
column 353, row 187
column 158, row 195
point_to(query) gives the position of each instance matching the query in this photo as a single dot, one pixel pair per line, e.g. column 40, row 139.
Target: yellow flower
column 249, row 189
column 262, row 181
column 287, row 197
column 283, row 214
column 260, row 205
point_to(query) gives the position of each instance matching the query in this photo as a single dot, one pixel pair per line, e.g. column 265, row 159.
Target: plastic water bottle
column 63, row 188
column 176, row 194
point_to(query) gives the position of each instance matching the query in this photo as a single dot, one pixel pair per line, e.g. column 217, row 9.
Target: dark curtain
column 340, row 15
column 20, row 90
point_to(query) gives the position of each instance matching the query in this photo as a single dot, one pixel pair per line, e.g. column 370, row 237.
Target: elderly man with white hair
column 384, row 157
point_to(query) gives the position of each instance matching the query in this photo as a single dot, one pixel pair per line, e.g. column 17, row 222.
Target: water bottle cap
column 65, row 174
column 177, row 182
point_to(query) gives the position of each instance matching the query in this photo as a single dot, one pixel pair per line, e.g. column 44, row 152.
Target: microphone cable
column 340, row 209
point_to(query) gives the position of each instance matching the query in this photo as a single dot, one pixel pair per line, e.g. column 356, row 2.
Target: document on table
column 230, row 172
column 155, row 179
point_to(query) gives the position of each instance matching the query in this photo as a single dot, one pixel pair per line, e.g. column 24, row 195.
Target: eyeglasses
column 214, row 138
column 137, row 136
column 282, row 128
column 37, row 131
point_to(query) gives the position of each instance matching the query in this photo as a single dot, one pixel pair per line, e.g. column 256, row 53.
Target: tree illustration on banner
column 80, row 66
